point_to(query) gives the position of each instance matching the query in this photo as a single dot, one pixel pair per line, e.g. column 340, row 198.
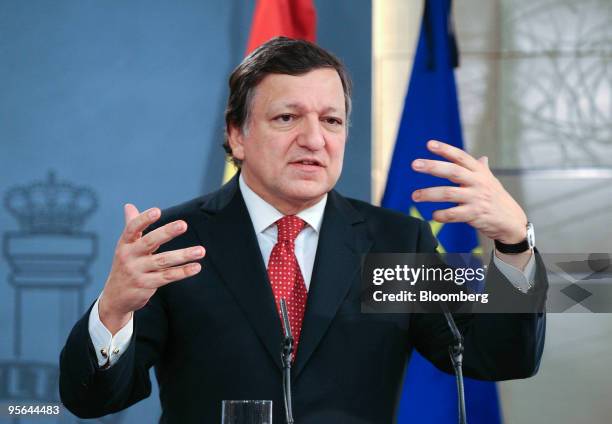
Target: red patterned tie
column 285, row 274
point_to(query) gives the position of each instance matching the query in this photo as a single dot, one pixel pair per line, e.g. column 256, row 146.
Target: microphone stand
column 286, row 358
column 456, row 356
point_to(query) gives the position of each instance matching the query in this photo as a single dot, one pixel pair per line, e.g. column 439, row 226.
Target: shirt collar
column 263, row 214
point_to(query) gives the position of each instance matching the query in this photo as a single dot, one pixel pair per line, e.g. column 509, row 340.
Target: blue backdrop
column 106, row 99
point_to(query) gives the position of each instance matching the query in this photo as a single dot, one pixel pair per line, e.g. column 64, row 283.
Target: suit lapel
column 342, row 240
column 234, row 252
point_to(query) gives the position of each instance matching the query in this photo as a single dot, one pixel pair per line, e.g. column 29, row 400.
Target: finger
column 453, row 154
column 170, row 259
column 485, row 161
column 450, row 171
column 461, row 213
column 170, row 275
column 151, row 241
column 130, row 212
column 442, row 194
column 137, row 225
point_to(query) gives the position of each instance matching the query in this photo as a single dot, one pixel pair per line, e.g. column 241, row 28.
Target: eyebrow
column 299, row 106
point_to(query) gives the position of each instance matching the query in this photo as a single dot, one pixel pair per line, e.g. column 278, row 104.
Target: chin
column 308, row 192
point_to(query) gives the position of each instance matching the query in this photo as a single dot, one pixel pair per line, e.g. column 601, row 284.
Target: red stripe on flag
column 291, row 18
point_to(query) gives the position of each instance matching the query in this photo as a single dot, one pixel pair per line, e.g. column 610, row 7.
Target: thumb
column 484, row 160
column 130, row 212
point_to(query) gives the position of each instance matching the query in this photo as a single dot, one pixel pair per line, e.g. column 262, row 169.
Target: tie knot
column 289, row 227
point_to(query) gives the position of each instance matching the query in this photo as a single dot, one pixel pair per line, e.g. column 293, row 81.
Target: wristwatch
column 513, row 249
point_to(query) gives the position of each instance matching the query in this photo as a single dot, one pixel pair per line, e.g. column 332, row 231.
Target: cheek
column 256, row 151
column 336, row 153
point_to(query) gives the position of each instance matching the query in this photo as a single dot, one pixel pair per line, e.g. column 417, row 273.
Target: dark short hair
column 280, row 55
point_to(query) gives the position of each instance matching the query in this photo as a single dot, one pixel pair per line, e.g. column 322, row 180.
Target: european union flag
column 431, row 111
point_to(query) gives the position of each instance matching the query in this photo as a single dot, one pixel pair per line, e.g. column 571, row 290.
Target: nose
column 311, row 135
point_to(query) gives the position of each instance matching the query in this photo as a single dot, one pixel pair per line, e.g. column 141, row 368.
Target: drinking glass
column 246, row 412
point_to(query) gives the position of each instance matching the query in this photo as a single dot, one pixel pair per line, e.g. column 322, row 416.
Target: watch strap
column 512, row 249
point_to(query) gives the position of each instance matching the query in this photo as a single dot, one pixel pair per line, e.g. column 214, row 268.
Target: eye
column 333, row 121
column 285, row 118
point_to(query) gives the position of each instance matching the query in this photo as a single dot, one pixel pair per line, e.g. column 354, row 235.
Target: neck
column 287, row 207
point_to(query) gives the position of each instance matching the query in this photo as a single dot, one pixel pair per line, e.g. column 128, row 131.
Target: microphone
column 456, row 356
column 286, row 358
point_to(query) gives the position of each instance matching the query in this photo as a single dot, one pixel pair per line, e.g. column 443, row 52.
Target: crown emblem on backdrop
column 51, row 206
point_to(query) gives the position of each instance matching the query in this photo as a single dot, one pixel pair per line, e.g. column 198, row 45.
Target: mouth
column 310, row 163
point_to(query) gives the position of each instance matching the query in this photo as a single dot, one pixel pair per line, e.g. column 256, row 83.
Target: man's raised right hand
column 137, row 272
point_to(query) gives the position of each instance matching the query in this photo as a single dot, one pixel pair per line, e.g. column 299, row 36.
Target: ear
column 236, row 141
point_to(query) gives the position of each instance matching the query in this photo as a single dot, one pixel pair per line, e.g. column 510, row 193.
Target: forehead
column 319, row 88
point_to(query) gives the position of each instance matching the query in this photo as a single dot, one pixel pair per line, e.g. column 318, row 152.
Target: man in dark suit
column 278, row 229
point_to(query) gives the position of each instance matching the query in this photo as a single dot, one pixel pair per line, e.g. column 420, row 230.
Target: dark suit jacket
column 217, row 335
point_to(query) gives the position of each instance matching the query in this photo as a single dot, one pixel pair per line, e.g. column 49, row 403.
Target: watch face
column 530, row 235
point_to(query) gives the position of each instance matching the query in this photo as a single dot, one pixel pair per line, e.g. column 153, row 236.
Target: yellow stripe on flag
column 229, row 172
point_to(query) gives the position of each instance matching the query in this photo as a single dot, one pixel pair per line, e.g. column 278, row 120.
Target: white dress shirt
column 264, row 216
